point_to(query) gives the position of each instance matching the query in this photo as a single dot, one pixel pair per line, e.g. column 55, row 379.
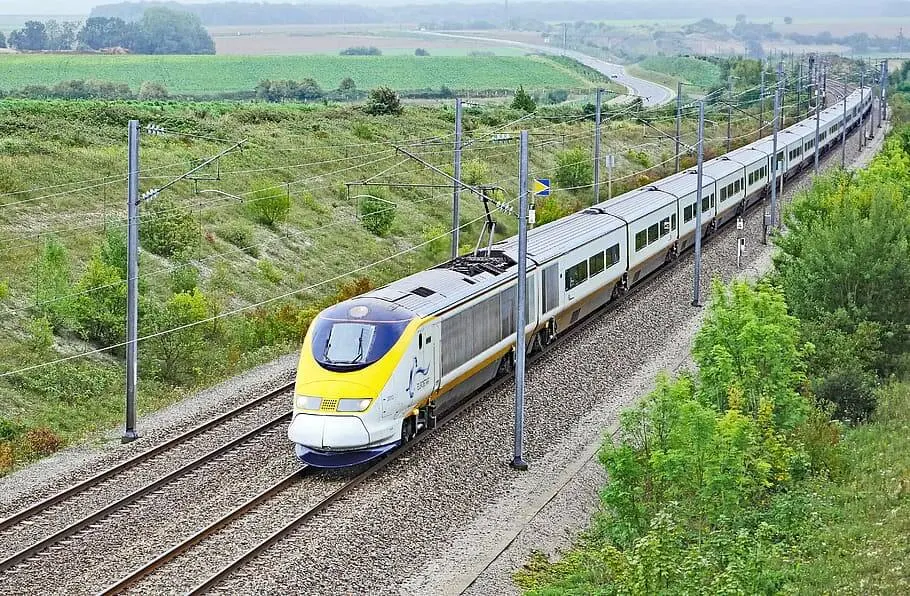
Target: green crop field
column 217, row 74
column 689, row 70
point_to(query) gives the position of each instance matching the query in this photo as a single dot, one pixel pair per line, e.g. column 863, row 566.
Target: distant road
column 652, row 93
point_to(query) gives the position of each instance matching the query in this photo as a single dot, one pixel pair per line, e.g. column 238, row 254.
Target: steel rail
column 45, row 504
column 148, row 568
column 99, row 514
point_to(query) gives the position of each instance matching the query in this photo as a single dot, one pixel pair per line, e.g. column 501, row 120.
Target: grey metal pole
column 761, row 105
column 729, row 113
column 597, row 145
column 862, row 133
column 882, row 105
column 696, row 288
column 132, row 285
column 678, row 120
column 818, row 115
column 610, row 177
column 799, row 86
column 456, row 217
column 774, row 151
column 517, row 457
column 843, row 132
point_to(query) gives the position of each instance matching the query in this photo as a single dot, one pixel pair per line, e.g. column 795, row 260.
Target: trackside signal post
column 518, row 461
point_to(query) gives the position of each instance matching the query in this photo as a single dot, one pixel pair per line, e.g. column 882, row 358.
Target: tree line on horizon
column 159, row 30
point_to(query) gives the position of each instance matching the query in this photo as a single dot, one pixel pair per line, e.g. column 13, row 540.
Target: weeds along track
column 62, row 515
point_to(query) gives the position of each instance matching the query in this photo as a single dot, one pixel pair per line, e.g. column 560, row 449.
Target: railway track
column 35, row 514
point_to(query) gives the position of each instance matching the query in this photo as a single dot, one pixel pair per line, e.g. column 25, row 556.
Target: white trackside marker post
column 740, row 241
column 518, row 461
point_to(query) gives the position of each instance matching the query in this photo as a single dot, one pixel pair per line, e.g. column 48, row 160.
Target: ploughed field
column 219, row 74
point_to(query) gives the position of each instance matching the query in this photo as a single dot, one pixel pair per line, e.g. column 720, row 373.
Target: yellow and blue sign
column 541, row 187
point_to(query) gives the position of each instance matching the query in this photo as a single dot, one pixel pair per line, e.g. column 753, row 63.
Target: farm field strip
column 214, row 74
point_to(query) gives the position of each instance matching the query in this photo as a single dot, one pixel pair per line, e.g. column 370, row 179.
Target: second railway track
column 71, row 511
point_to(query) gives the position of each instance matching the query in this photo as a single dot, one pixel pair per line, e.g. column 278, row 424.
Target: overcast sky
column 47, row 7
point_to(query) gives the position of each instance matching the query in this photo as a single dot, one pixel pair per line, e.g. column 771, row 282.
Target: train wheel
column 407, row 429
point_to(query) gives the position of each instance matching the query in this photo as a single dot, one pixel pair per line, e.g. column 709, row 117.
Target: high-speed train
column 374, row 369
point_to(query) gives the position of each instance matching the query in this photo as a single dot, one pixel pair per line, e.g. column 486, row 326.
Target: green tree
column 165, row 31
column 53, row 280
column 167, row 228
column 152, row 91
column 749, row 346
column 574, row 169
column 268, row 205
column 99, row 307
column 103, row 32
column 384, row 101
column 848, row 248
column 2, row 40
column 32, row 37
column 377, row 215
column 177, row 352
column 522, row 101
column 421, row 52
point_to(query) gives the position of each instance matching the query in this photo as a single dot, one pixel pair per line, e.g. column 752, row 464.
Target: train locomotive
column 376, row 369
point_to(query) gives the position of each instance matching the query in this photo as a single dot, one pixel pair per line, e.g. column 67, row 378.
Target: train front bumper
column 328, row 432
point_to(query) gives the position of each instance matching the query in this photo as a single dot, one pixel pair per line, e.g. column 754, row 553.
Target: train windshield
column 347, row 337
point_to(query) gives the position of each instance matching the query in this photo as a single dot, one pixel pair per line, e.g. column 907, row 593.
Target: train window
column 596, row 264
column 751, row 178
column 420, row 341
column 705, row 204
column 577, row 274
column 712, row 199
column 665, row 226
column 723, row 194
column 687, row 213
column 653, row 233
column 612, row 255
column 641, row 240
column 673, row 222
column 730, row 190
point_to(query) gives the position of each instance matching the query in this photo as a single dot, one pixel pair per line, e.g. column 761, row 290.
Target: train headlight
column 354, row 405
column 305, row 402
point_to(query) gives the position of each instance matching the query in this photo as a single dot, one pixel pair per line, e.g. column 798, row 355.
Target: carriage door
column 428, row 355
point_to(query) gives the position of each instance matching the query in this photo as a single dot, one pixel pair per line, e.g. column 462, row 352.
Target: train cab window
column 576, row 275
column 653, row 233
column 596, row 264
column 612, row 255
column 641, row 240
column 349, row 337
